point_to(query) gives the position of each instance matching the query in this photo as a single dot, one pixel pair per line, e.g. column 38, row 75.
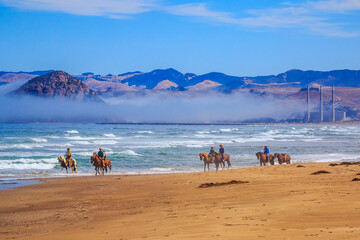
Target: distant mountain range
column 171, row 79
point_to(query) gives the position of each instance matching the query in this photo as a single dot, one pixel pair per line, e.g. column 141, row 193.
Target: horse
column 72, row 164
column 263, row 160
column 220, row 161
column 204, row 157
column 282, row 158
column 107, row 165
column 96, row 162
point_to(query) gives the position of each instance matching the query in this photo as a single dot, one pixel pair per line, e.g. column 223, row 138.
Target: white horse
column 72, row 164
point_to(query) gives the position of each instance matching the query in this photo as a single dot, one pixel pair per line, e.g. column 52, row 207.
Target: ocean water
column 31, row 150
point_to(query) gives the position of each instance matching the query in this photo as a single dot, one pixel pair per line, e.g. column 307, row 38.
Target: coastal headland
column 307, row 201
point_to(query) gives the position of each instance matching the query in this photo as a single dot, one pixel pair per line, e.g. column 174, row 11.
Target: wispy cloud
column 317, row 17
column 109, row 8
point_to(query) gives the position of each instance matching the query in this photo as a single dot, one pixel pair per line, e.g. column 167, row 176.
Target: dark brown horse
column 282, row 158
column 207, row 161
column 263, row 160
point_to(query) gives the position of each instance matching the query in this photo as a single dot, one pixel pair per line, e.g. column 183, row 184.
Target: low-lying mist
column 164, row 107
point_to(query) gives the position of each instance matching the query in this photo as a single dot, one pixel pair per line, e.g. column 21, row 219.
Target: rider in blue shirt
column 266, row 151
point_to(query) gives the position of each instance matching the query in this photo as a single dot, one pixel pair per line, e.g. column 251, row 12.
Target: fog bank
column 152, row 108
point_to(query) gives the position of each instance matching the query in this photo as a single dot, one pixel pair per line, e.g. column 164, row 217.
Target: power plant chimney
column 321, row 105
column 308, row 104
column 333, row 104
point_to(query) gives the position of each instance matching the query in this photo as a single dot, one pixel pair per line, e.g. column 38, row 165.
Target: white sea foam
column 79, row 138
column 72, row 131
column 30, row 160
column 106, row 142
column 21, row 146
column 159, row 169
column 149, row 132
column 30, row 166
column 81, row 142
column 39, row 140
column 27, row 163
column 128, row 152
column 228, row 129
column 110, row 135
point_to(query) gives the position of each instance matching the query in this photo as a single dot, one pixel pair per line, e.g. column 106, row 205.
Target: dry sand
column 279, row 202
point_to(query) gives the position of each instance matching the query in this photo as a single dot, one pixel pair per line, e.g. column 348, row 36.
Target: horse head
column 61, row 159
column 201, row 156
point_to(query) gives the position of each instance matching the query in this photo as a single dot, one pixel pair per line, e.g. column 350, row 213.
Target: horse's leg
column 204, row 166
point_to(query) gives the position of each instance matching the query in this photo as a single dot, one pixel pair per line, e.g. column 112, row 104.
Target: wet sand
column 278, row 202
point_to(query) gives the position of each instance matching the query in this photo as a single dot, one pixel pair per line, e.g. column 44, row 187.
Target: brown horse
column 72, row 164
column 96, row 162
column 219, row 161
column 263, row 160
column 282, row 158
column 204, row 157
column 107, row 163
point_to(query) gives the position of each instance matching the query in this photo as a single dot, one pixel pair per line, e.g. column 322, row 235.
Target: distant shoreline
column 340, row 123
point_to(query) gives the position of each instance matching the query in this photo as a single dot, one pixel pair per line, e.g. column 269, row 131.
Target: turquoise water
column 28, row 150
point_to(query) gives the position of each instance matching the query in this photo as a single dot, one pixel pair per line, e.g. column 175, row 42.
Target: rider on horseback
column 101, row 155
column 211, row 153
column 68, row 156
column 221, row 151
column 266, row 151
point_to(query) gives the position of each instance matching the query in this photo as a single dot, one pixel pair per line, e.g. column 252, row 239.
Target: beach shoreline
column 272, row 202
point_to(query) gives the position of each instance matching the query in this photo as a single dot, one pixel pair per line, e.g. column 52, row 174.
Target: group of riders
column 101, row 154
column 221, row 151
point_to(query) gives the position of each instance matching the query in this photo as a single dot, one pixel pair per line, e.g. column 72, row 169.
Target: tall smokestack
column 321, row 105
column 333, row 104
column 308, row 104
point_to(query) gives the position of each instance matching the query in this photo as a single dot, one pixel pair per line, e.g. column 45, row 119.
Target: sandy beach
column 273, row 202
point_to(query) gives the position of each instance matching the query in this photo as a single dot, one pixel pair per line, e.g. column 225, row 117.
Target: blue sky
column 236, row 37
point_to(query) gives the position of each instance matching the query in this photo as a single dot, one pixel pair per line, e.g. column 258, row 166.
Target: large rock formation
column 58, row 84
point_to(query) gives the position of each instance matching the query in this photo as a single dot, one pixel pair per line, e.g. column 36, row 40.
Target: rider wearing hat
column 266, row 151
column 68, row 156
column 221, row 151
column 211, row 150
column 101, row 156
column 211, row 153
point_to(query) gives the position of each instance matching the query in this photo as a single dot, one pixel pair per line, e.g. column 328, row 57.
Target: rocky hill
column 58, row 84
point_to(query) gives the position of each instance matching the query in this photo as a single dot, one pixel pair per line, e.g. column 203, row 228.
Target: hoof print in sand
column 206, row 185
column 320, row 172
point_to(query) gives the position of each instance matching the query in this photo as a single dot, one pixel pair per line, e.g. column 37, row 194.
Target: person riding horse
column 211, row 153
column 101, row 155
column 68, row 156
column 266, row 151
column 221, row 151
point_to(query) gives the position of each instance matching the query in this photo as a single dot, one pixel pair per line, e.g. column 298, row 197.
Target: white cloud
column 110, row 8
column 312, row 16
column 200, row 10
column 335, row 5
